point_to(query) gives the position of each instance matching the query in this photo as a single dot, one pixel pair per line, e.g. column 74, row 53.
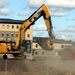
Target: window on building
column 62, row 46
column 36, row 45
column 2, row 34
column 12, row 35
column 7, row 26
column 28, row 35
column 12, row 26
column 2, row 26
column 16, row 35
column 7, row 34
column 36, row 53
column 17, row 26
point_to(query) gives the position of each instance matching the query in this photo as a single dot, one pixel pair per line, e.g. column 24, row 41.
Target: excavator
column 16, row 49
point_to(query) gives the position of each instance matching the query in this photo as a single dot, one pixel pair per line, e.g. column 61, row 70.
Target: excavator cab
column 26, row 45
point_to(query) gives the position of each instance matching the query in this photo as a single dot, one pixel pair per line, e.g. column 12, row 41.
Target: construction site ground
column 49, row 63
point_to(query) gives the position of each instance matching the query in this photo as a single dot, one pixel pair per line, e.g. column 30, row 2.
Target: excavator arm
column 30, row 21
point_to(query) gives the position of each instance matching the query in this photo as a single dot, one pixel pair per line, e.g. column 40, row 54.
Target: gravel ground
column 26, row 67
column 41, row 65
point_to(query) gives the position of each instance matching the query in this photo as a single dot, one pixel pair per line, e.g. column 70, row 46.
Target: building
column 61, row 44
column 9, row 30
column 58, row 44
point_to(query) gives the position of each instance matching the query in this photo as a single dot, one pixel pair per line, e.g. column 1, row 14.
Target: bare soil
column 28, row 67
column 47, row 64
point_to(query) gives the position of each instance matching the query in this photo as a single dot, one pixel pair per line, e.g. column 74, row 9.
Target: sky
column 62, row 16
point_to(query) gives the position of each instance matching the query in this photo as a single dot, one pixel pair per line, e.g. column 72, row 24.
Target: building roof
column 6, row 20
column 55, row 41
column 43, row 42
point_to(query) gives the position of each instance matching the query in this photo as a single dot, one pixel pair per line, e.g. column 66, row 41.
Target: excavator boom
column 35, row 16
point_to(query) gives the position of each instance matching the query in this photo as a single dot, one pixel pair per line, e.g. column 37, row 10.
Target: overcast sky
column 62, row 15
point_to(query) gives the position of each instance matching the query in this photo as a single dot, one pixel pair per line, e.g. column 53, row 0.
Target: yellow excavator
column 16, row 49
